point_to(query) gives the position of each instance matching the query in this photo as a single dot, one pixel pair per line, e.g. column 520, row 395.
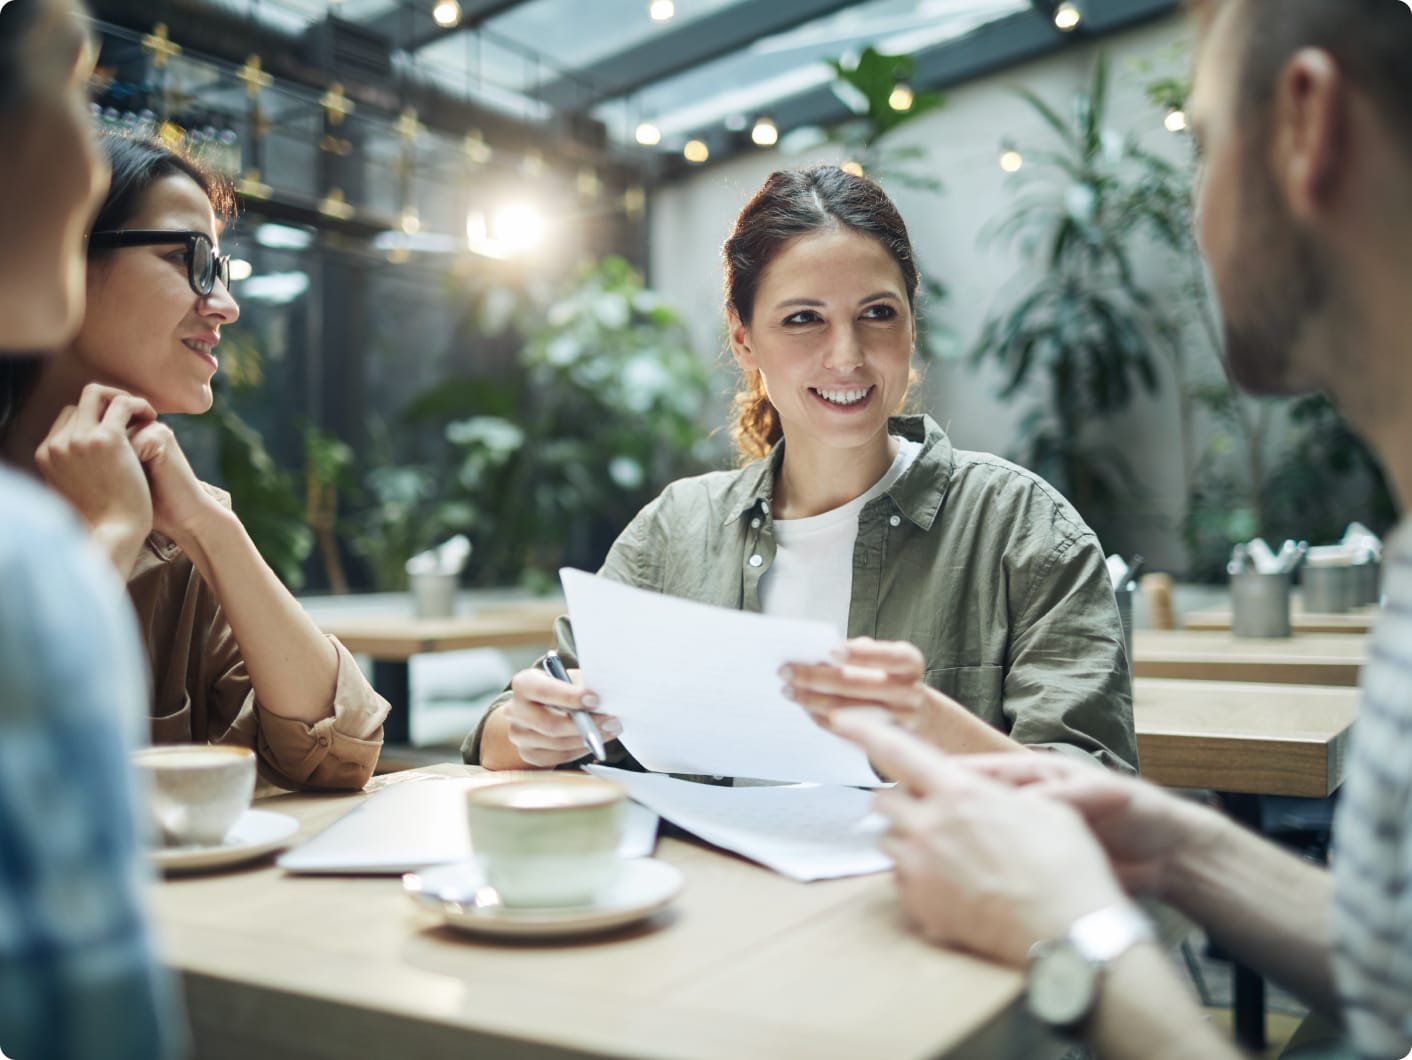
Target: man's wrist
column 1207, row 835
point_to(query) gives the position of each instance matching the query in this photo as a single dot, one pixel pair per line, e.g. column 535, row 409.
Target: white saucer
column 459, row 895
column 256, row 832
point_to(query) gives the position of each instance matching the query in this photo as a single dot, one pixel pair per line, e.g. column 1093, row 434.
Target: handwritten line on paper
column 697, row 687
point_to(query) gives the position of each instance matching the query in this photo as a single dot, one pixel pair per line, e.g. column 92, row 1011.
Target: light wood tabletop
column 1358, row 620
column 1240, row 737
column 746, row 963
column 1304, row 659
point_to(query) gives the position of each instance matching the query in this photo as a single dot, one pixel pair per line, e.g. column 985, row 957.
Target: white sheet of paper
column 803, row 831
column 698, row 689
column 416, row 824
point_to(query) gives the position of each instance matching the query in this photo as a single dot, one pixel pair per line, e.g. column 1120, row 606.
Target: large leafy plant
column 545, row 465
column 1086, row 332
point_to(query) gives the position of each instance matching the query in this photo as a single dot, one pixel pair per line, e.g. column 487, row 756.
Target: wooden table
column 745, row 964
column 1244, row 740
column 1253, row 739
column 1358, row 620
column 1304, row 659
column 392, row 639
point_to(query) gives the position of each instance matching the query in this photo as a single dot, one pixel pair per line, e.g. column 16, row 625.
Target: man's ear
column 741, row 349
column 1309, row 143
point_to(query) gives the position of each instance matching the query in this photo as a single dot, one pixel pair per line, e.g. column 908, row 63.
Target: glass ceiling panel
column 573, row 34
column 788, row 63
column 295, row 16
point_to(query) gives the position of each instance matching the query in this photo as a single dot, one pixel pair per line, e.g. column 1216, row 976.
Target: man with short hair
column 1303, row 113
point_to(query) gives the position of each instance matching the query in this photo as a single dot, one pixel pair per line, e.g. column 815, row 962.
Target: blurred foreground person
column 1303, row 113
column 78, row 977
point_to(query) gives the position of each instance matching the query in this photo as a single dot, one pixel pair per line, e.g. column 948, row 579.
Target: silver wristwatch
column 1065, row 973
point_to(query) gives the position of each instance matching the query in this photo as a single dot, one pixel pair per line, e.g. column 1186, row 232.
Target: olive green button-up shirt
column 979, row 563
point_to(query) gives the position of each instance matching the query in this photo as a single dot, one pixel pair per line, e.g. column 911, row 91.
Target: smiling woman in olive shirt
column 977, row 601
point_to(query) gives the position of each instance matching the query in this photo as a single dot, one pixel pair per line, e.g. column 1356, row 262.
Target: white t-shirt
column 812, row 575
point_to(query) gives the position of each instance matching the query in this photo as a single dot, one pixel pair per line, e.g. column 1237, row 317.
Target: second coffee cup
column 197, row 791
column 547, row 841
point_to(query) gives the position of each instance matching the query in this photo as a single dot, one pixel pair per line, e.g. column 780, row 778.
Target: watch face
column 1062, row 984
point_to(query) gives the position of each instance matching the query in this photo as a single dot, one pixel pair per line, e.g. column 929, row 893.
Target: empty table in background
column 1358, row 620
column 391, row 638
column 1304, row 659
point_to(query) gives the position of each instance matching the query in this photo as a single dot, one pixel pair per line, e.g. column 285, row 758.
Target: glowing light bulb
column 446, row 13
column 1011, row 161
column 765, row 134
column 648, row 135
column 696, row 151
column 661, row 10
column 901, row 98
column 1067, row 16
column 1176, row 121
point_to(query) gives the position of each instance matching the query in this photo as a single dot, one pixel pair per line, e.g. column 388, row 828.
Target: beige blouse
column 202, row 694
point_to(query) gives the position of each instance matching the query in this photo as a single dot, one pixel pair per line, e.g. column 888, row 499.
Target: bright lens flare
column 765, row 134
column 1011, row 161
column 1067, row 16
column 1176, row 121
column 648, row 135
column 512, row 230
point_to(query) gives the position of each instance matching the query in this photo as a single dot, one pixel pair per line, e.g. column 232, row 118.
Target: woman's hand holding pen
column 537, row 719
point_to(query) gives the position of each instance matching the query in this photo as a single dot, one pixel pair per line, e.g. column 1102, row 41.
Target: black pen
column 1134, row 569
column 592, row 738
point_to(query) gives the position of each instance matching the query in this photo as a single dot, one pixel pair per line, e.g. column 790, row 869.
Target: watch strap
column 1106, row 934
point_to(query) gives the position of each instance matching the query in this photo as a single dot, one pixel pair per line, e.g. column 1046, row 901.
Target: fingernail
column 786, row 672
column 590, row 700
column 612, row 728
column 839, row 654
column 787, row 691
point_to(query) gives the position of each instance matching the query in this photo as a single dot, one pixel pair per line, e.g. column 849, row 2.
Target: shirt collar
column 917, row 494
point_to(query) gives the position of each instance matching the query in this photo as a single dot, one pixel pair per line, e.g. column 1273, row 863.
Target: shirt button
column 755, row 523
column 756, row 560
column 323, row 741
column 896, row 520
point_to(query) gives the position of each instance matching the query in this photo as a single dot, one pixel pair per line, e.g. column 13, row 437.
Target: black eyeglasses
column 203, row 265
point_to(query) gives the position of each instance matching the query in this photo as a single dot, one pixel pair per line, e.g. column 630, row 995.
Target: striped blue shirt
column 78, row 977
column 1372, row 853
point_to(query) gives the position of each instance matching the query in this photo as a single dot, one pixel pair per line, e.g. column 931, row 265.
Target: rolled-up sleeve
column 336, row 752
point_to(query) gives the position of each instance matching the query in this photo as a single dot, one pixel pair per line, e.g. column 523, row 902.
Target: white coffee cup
column 547, row 841
column 196, row 791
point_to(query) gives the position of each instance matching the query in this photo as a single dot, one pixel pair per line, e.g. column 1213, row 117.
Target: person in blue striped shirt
column 78, row 975
column 1303, row 114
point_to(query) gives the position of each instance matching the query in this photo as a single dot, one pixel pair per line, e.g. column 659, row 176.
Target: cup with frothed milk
column 196, row 791
column 550, row 840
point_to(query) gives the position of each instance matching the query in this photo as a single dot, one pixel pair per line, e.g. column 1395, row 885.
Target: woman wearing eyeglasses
column 235, row 660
